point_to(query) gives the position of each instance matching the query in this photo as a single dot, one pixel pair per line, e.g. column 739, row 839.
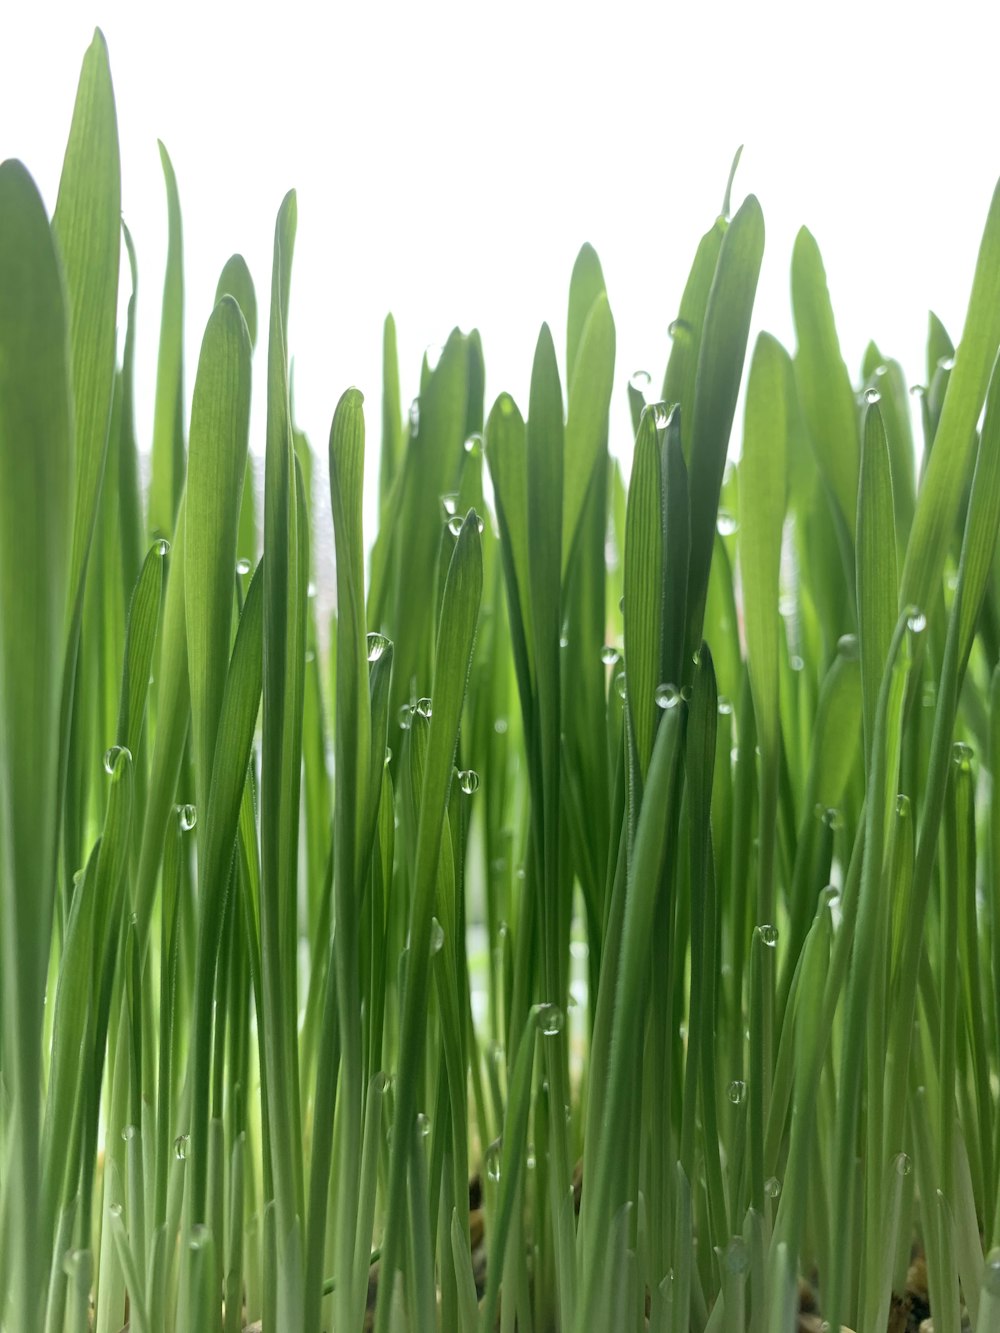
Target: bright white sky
column 451, row 156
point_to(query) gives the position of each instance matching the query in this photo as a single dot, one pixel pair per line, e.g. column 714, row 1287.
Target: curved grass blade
column 36, row 460
column 955, row 439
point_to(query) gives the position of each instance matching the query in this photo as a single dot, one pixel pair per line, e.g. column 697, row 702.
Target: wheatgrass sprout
column 593, row 923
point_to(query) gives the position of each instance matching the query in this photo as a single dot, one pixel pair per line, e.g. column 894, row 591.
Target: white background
column 450, row 158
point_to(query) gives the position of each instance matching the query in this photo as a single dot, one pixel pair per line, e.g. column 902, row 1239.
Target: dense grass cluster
column 634, row 849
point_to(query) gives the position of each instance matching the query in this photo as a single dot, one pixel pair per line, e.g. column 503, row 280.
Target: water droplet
column 71, row 1262
column 310, row 589
column 180, row 1146
column 111, row 757
column 962, row 756
column 916, row 621
column 609, row 654
column 679, row 328
column 388, row 757
column 437, row 936
column 405, row 715
column 902, row 806
column 424, row 707
column 640, row 380
column 847, row 646
column 549, row 1019
column 563, row 641
column 493, row 1161
column 162, row 547
column 621, row 604
column 946, row 363
column 114, row 1210
column 530, row 1160
column 377, row 644
column 242, row 566
column 696, row 657
column 917, row 390
column 768, row 935
column 423, row 1124
column 737, row 1255
column 474, row 443
column 449, row 503
column 829, row 896
column 737, row 1091
column 772, row 1187
column 796, row 663
column 667, row 696
column 500, row 726
column 786, row 606
column 455, row 525
column 872, row 396
column 725, row 523
column 725, row 706
column 468, row 780
column 130, row 1132
column 686, row 693
column 832, row 818
column 620, row 685
column 903, row 1164
column 414, row 418
column 187, row 817
column 991, row 1277
column 661, row 416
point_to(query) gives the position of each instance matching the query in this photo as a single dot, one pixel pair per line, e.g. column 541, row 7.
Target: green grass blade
column 220, row 423
column 876, row 567
column 955, row 440
column 644, row 577
column 720, row 368
column 36, row 459
column 460, row 611
column 590, row 384
column 824, row 385
column 167, row 464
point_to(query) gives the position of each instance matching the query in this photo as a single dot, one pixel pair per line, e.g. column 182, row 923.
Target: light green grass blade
column 167, row 465
column 220, row 424
column 687, row 330
column 824, row 385
column 590, row 384
column 876, row 566
column 235, row 281
column 955, row 440
column 763, row 476
column 36, row 499
column 87, row 228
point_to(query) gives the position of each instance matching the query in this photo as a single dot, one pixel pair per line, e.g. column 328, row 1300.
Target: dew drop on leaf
column 112, row 754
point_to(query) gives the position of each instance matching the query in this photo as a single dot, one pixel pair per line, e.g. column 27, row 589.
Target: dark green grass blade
column 720, row 368
column 644, row 587
column 36, row 499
